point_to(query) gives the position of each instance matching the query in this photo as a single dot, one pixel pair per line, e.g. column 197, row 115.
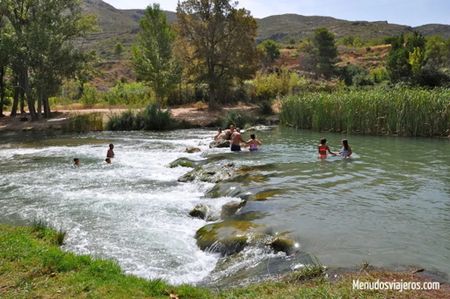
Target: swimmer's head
column 76, row 161
column 108, row 160
column 323, row 141
column 111, row 146
column 253, row 136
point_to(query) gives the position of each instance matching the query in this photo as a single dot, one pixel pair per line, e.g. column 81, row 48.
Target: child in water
column 110, row 153
column 323, row 148
column 76, row 162
column 253, row 143
column 346, row 150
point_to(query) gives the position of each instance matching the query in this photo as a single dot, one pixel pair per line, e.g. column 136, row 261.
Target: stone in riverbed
column 211, row 173
column 231, row 208
column 220, row 144
column 184, row 162
column 200, row 211
column 283, row 244
column 192, row 150
column 228, row 237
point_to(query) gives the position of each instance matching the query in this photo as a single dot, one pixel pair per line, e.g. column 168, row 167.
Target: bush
column 379, row 74
column 238, row 119
column 84, row 123
column 355, row 75
column 151, row 118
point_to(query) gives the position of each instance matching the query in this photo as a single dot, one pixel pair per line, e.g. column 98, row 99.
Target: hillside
column 122, row 25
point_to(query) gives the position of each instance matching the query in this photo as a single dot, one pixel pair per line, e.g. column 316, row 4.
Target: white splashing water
column 133, row 211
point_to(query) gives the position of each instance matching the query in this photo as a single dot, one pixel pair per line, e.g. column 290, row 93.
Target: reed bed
column 396, row 111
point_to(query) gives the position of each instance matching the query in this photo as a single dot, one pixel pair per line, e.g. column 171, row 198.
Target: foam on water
column 133, row 211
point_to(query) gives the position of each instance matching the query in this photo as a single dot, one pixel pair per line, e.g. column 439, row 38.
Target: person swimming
column 346, row 150
column 76, row 162
column 108, row 160
column 323, row 149
column 253, row 143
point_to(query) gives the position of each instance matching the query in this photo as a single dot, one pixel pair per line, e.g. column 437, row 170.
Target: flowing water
column 389, row 205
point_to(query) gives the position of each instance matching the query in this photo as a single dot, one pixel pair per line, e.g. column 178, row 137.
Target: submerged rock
column 283, row 244
column 265, row 195
column 191, row 150
column 228, row 237
column 184, row 162
column 231, row 208
column 220, row 144
column 200, row 211
column 203, row 212
column 212, row 173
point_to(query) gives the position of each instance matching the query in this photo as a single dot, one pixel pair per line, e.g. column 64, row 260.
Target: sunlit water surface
column 389, row 205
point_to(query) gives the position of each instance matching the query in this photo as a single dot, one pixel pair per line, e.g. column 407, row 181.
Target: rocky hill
column 121, row 26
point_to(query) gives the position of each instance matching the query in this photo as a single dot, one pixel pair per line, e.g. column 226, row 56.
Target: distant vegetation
column 401, row 111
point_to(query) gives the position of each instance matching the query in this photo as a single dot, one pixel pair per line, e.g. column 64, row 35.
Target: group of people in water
column 233, row 134
column 108, row 160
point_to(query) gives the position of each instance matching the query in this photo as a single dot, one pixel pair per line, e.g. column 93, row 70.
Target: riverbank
column 193, row 116
column 33, row 265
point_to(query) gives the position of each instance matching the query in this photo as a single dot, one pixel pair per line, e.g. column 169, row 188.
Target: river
column 389, row 205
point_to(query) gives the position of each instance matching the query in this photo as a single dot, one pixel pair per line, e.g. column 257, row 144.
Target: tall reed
column 401, row 111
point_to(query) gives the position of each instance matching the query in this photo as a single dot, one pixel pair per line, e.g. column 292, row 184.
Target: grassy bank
column 33, row 266
column 400, row 111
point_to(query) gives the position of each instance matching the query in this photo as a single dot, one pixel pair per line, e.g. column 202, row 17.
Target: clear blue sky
column 406, row 12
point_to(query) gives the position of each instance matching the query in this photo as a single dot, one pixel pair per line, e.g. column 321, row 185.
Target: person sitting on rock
column 253, row 143
column 218, row 135
column 236, row 140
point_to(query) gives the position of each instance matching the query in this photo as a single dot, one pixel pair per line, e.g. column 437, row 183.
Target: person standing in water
column 253, row 143
column 346, row 150
column 110, row 153
column 236, row 140
column 323, row 149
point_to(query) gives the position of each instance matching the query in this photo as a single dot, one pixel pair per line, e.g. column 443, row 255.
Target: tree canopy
column 216, row 41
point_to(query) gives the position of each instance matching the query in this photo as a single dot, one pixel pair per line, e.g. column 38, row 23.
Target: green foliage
column 325, row 52
column 401, row 111
column 355, row 75
column 379, row 74
column 152, row 55
column 84, row 123
column 238, row 119
column 270, row 51
column 151, row 118
column 216, row 41
column 130, row 94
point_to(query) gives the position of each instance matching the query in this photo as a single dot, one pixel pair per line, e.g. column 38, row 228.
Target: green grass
column 400, row 111
column 33, row 266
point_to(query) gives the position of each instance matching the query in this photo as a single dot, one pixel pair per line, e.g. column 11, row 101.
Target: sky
column 405, row 12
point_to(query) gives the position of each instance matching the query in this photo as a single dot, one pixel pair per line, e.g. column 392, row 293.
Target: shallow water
column 389, row 205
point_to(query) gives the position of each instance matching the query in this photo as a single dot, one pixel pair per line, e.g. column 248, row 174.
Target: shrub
column 84, row 123
column 151, row 118
column 239, row 119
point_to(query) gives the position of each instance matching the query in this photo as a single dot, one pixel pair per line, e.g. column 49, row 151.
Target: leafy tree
column 406, row 57
column 5, row 53
column 45, row 51
column 325, row 52
column 270, row 51
column 217, row 42
column 153, row 53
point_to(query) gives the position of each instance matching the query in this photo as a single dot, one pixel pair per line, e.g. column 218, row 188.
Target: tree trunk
column 16, row 98
column 2, row 90
column 22, row 99
column 47, row 111
column 30, row 101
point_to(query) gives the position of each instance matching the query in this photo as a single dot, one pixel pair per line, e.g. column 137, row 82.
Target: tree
column 217, row 42
column 325, row 52
column 406, row 57
column 45, row 51
column 5, row 53
column 270, row 51
column 153, row 57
